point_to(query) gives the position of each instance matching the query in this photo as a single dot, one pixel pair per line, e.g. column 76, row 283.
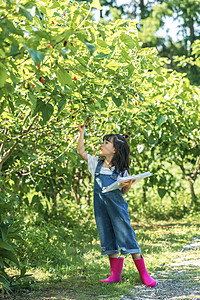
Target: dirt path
column 176, row 281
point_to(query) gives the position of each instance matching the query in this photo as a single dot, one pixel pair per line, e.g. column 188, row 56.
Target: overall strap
column 98, row 168
column 115, row 174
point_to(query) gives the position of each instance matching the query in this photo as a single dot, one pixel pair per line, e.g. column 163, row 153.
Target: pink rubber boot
column 116, row 265
column 144, row 276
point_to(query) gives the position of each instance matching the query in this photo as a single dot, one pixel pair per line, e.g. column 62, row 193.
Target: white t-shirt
column 92, row 164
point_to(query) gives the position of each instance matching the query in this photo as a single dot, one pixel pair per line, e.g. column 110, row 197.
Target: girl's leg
column 113, row 256
column 144, row 276
column 125, row 237
column 116, row 265
column 124, row 233
column 107, row 237
column 136, row 256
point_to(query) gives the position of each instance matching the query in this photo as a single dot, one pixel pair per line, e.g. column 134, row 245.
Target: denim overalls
column 112, row 217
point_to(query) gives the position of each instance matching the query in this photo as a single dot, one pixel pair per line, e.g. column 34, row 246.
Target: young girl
column 110, row 208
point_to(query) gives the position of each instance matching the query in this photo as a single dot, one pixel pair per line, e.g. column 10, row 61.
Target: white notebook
column 116, row 184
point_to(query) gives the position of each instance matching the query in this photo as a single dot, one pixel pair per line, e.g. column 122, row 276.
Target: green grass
column 73, row 271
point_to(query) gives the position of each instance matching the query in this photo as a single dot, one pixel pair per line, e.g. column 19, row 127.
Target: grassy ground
column 160, row 242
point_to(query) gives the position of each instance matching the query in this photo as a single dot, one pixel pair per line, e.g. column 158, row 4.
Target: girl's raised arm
column 81, row 148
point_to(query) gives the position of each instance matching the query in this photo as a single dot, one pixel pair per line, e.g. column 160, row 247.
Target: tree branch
column 197, row 168
column 8, row 154
column 4, row 142
column 187, row 176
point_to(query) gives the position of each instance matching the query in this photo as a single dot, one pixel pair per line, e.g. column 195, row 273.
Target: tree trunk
column 191, row 178
column 192, row 192
column 89, row 191
column 192, row 36
column 142, row 9
column 74, row 193
column 54, row 198
column 78, row 192
column 144, row 194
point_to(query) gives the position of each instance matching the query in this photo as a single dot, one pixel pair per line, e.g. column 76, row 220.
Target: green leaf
column 5, row 245
column 102, row 43
column 114, row 65
column 1, row 262
column 130, row 70
column 46, row 109
column 64, row 78
column 27, row 12
column 125, row 55
column 37, row 56
column 38, row 107
column 4, row 230
column 15, row 236
column 3, row 76
column 117, row 101
column 12, row 76
column 160, row 79
column 161, row 120
column 120, row 22
column 47, row 112
column 35, row 199
column 11, row 106
column 33, row 101
column 90, row 47
column 14, row 49
column 9, row 255
column 5, row 283
column 1, row 95
column 81, row 61
column 152, row 140
column 127, row 40
column 43, row 34
column 68, row 33
column 96, row 4
column 23, row 271
column 61, row 105
column 162, row 192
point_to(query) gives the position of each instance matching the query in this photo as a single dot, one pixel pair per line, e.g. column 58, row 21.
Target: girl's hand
column 127, row 184
column 81, row 128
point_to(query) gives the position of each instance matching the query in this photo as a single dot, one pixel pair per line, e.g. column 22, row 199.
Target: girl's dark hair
column 120, row 159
